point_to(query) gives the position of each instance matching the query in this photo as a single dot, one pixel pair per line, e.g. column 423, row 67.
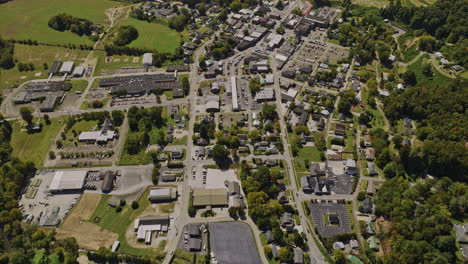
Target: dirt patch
column 89, row 236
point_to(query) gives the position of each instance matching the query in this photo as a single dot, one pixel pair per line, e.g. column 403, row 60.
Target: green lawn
column 53, row 258
column 118, row 61
column 179, row 141
column 37, row 55
column 422, row 80
column 410, row 53
column 34, row 147
column 118, row 222
column 87, row 105
column 309, row 153
column 28, row 19
column 81, row 126
column 156, row 36
column 79, row 86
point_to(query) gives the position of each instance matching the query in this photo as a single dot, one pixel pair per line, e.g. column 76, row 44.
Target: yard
column 422, row 80
column 34, row 147
column 309, row 153
column 79, row 85
column 81, row 126
column 28, row 19
column 157, row 36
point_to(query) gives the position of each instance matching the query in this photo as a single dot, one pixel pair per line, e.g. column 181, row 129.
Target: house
column 354, row 244
column 338, row 245
column 321, row 124
column 282, row 198
column 367, row 140
column 372, row 170
column 147, row 59
column 269, row 236
column 287, row 221
column 274, row 251
column 340, row 129
column 370, row 154
column 408, row 122
column 370, row 229
column 298, row 256
column 461, row 232
column 373, row 243
column 367, row 206
column 176, row 155
column 288, row 73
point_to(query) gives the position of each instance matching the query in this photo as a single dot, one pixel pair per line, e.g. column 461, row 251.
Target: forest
column 6, row 54
column 79, row 26
column 19, row 241
column 441, row 124
column 421, row 216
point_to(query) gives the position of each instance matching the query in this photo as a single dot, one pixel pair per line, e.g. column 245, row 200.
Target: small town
column 234, row 132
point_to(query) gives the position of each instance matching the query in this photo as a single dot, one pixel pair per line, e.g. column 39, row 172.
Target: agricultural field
column 28, row 19
column 156, row 36
column 34, row 147
column 37, row 55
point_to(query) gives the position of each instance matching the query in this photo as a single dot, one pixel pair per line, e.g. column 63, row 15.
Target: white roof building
column 68, row 180
column 67, row 67
column 235, row 100
column 147, row 59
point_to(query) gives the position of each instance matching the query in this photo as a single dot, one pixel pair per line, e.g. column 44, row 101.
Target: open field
column 119, row 222
column 28, row 19
column 79, row 85
column 87, row 234
column 37, row 55
column 117, row 62
column 373, row 3
column 34, row 147
column 154, row 36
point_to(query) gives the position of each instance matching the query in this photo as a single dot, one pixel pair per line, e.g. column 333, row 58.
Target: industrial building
column 68, row 181
column 42, row 90
column 143, row 84
column 145, row 226
column 147, row 59
column 78, row 71
column 162, row 194
column 210, row 197
column 108, row 182
column 266, row 94
column 67, row 67
column 54, row 67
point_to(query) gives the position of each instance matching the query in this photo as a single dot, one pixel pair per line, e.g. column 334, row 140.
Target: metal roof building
column 210, row 197
column 67, row 67
column 235, row 100
column 162, row 194
column 68, row 180
column 78, row 71
column 147, row 59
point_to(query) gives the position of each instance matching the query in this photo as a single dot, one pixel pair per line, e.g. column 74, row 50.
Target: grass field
column 154, row 36
column 422, row 80
column 79, row 85
column 37, row 55
column 79, row 127
column 309, row 153
column 87, row 234
column 34, row 147
column 28, row 19
column 119, row 222
column 118, row 61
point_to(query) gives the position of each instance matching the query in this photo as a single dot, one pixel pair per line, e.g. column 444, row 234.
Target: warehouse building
column 162, row 194
column 51, row 99
column 102, row 136
column 67, row 67
column 54, row 67
column 108, row 182
column 78, row 71
column 64, row 181
column 145, row 226
column 143, row 84
column 235, row 100
column 210, row 197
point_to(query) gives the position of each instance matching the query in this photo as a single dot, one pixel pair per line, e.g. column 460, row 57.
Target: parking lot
column 322, row 209
column 233, row 243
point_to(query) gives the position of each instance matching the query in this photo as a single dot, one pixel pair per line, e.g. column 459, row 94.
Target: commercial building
column 210, row 197
column 162, row 194
column 143, row 84
column 145, row 226
column 54, row 67
column 68, row 181
column 266, row 94
column 108, row 182
column 102, row 136
column 51, row 99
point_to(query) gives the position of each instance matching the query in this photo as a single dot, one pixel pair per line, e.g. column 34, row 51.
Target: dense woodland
column 421, row 229
column 125, row 35
column 79, row 26
column 20, row 242
column 441, row 124
column 6, row 54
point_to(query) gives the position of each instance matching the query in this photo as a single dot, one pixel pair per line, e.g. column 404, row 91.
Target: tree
column 268, row 252
column 220, row 153
column 186, row 85
column 284, row 255
column 279, row 5
column 123, row 202
column 361, row 196
column 254, row 85
column 280, row 30
column 125, row 34
column 409, row 78
column 52, row 155
column 155, row 175
column 269, row 112
column 117, row 117
column 26, row 114
column 135, row 205
column 427, row 69
column 47, row 119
